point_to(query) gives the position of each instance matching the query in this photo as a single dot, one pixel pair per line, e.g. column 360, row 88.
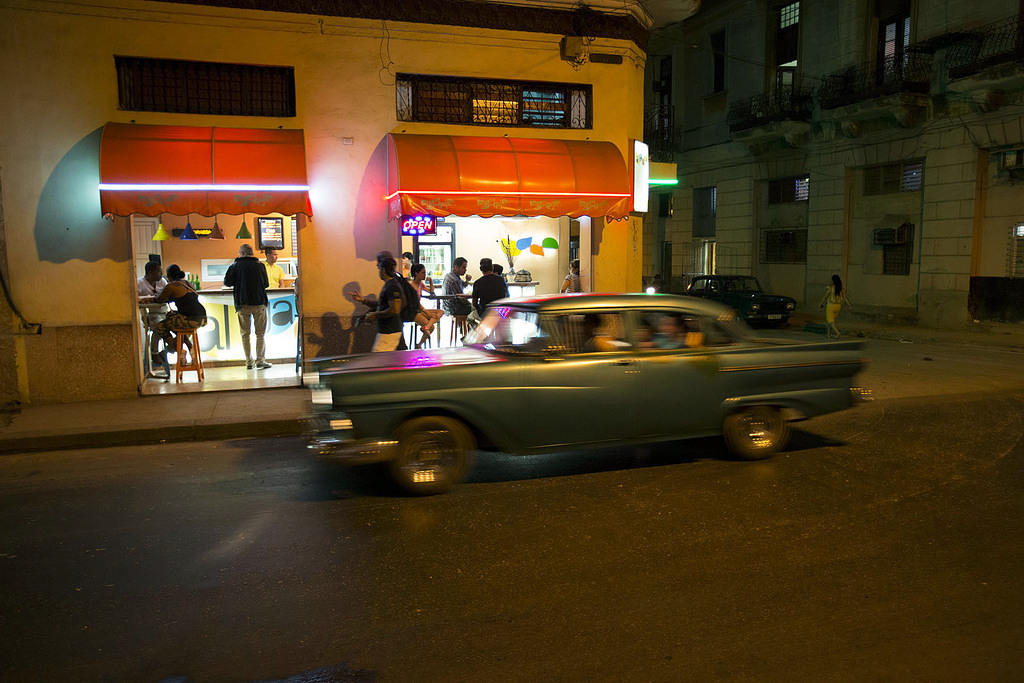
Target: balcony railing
column 997, row 43
column 785, row 103
column 660, row 131
column 911, row 72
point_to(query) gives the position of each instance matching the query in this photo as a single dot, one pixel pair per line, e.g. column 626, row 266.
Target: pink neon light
column 523, row 194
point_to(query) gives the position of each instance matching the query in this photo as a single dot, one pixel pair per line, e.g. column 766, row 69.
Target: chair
column 196, row 361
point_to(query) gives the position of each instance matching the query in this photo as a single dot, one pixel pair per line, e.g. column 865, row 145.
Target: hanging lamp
column 189, row 233
column 160, row 235
column 243, row 232
column 215, row 231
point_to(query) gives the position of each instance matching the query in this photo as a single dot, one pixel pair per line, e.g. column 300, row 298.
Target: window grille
column 896, row 259
column 789, row 15
column 187, row 87
column 789, row 190
column 491, row 102
column 784, row 246
column 1016, row 251
column 902, row 176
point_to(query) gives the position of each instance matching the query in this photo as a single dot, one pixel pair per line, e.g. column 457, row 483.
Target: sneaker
column 249, row 365
column 262, row 365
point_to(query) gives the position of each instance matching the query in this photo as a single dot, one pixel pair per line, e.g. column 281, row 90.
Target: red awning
column 446, row 175
column 189, row 169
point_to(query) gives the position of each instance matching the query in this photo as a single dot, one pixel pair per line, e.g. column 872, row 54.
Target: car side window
column 594, row 332
column 697, row 286
column 661, row 331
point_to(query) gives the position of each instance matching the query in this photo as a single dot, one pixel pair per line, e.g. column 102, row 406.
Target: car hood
column 408, row 360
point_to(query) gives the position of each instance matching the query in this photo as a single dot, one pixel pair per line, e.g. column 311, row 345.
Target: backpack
column 410, row 300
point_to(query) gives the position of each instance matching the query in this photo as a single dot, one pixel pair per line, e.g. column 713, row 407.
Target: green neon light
column 659, row 181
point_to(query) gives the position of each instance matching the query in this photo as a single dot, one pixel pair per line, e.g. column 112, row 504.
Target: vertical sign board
column 641, row 175
column 270, row 231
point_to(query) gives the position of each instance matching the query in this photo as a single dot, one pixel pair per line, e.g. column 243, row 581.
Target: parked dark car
column 744, row 293
column 554, row 373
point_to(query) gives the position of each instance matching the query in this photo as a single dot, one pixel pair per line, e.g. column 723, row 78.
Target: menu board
column 270, row 230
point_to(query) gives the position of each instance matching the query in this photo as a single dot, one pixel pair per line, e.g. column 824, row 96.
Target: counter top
column 229, row 290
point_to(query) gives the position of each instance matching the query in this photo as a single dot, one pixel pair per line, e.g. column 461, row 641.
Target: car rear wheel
column 756, row 432
column 434, row 454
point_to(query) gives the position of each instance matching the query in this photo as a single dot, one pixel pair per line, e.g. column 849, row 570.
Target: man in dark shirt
column 488, row 288
column 389, row 307
column 248, row 277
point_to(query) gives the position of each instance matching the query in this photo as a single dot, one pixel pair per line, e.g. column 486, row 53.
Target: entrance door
column 436, row 252
column 143, row 229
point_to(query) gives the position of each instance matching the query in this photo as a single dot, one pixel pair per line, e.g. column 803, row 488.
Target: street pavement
column 282, row 411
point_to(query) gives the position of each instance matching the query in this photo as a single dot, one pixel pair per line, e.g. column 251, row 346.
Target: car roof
column 596, row 302
column 724, row 277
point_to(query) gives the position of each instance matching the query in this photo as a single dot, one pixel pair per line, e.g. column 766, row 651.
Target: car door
column 682, row 386
column 587, row 392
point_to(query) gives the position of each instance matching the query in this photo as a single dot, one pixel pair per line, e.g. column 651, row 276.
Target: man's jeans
column 258, row 314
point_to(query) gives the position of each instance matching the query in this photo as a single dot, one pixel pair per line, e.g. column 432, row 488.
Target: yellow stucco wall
column 69, row 268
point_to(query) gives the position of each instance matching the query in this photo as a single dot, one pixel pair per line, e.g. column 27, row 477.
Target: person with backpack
column 392, row 304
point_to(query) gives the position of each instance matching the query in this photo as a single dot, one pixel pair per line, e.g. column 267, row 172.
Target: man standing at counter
column 248, row 277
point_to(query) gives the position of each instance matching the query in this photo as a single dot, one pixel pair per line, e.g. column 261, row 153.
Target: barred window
column 789, row 190
column 784, row 246
column 491, row 102
column 896, row 259
column 789, row 15
column 1016, row 251
column 902, row 176
column 186, row 87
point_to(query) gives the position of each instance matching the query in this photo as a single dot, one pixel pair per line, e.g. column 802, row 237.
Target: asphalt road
column 885, row 544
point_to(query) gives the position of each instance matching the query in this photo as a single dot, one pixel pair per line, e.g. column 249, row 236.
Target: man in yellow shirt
column 275, row 273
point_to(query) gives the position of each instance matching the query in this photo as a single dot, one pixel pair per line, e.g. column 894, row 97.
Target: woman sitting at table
column 190, row 314
column 427, row 317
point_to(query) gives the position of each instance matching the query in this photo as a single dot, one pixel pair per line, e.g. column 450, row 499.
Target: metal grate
column 789, row 15
column 660, row 131
column 784, row 246
column 784, row 103
column 490, row 102
column 996, row 43
column 187, row 87
column 910, row 72
column 896, row 259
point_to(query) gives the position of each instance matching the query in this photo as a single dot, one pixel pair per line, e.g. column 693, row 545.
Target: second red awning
column 444, row 175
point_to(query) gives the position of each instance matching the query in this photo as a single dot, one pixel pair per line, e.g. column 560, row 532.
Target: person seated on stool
column 427, row 317
column 488, row 288
column 190, row 314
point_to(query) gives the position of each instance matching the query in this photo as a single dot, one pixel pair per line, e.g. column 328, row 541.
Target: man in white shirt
column 152, row 283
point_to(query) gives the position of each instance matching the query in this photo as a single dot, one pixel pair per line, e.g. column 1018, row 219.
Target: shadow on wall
column 334, row 338
column 68, row 220
column 372, row 231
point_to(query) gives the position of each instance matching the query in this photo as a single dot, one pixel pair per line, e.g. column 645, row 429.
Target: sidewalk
column 281, row 412
column 155, row 419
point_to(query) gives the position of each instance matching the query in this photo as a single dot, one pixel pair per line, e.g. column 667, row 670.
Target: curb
column 152, row 435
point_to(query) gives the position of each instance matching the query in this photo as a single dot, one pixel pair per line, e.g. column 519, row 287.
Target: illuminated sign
column 270, row 230
column 641, row 175
column 418, row 225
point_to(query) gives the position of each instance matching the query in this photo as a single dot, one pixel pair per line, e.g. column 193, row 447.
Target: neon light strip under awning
column 508, row 194
column 128, row 187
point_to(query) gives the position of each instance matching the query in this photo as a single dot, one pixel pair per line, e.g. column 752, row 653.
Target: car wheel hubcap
column 430, row 454
column 758, row 430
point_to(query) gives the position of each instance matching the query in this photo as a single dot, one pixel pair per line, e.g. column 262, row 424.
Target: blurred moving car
column 551, row 373
column 744, row 293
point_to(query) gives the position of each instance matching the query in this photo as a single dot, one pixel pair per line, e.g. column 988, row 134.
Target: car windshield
column 509, row 330
column 741, row 284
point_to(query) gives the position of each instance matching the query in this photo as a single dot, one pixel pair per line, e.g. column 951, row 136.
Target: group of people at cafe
column 249, row 279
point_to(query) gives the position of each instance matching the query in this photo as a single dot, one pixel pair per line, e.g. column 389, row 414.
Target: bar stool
column 458, row 323
column 192, row 334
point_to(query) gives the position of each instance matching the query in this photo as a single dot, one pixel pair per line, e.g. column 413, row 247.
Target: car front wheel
column 434, row 454
column 756, row 432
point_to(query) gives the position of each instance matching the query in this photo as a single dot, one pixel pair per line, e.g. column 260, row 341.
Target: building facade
column 471, row 73
column 878, row 139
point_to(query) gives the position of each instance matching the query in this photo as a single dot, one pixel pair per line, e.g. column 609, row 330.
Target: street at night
column 884, row 543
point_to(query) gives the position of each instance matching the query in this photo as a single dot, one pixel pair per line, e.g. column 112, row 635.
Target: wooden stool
column 197, row 361
column 458, row 323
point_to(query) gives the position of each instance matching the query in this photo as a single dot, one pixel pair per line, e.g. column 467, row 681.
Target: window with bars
column 491, row 102
column 187, row 87
column 896, row 259
column 784, row 190
column 788, row 245
column 902, row 176
column 1016, row 265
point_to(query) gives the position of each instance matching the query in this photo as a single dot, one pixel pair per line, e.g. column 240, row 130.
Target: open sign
column 419, row 225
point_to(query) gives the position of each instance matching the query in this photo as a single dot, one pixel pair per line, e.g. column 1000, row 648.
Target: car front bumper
column 330, row 433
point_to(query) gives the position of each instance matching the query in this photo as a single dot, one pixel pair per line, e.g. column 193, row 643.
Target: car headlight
column 790, row 305
column 755, row 307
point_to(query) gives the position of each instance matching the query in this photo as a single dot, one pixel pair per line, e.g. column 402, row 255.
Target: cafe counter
column 221, row 338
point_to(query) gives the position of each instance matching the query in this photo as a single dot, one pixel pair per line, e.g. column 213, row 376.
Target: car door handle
column 622, row 361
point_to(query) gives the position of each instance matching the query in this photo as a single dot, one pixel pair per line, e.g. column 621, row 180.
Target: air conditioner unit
column 572, row 48
column 891, row 236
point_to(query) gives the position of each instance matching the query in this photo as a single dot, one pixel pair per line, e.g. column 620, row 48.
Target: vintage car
column 552, row 373
column 744, row 293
